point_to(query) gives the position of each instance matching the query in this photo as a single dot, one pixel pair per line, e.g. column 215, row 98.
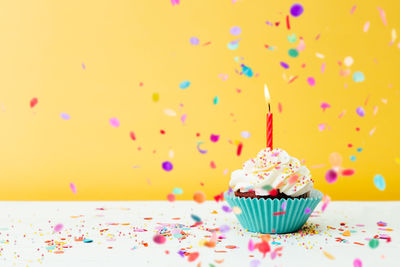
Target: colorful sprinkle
column 379, row 182
column 184, row 84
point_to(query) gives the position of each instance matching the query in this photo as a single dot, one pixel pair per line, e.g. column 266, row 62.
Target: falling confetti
column 235, row 30
column 199, row 197
column 33, row 102
column 202, row 151
column 284, row 65
column 184, row 84
column 159, row 239
column 366, row 26
column 335, row 159
column 307, row 211
column 214, row 138
column 328, row 255
column 379, row 182
column 132, row 135
column 360, row 111
column 373, row 243
column 331, row 176
column 216, row 100
column 212, row 165
column 293, row 52
column 296, row 10
column 177, row 191
column 358, row 76
column 58, row 227
column 167, row 166
column 383, row 16
column 194, row 40
column 357, row 263
column 247, row 71
column 171, row 197
column 348, row 61
column 245, row 134
column 156, row 97
column 73, row 188
column 65, row 116
column 324, row 106
column 114, row 122
column 175, row 2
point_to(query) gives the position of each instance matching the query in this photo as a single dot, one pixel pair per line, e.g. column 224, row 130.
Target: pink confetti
column 183, row 118
column 348, row 172
column 175, row 2
column 366, row 26
column 341, row 114
column 311, row 81
column 33, row 103
column 58, row 227
column 383, row 16
column 321, row 127
column 159, row 239
column 323, row 68
column 114, row 122
column 331, row 176
column 372, row 131
column 83, row 66
column 375, row 110
column 132, row 135
column 280, row 107
column 353, row 9
column 251, row 245
column 357, row 263
column 214, row 138
column 212, row 165
column 171, row 197
column 73, row 187
column 324, row 106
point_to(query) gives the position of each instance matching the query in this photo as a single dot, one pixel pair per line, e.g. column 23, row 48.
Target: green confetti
column 292, row 38
column 293, row 52
column 216, row 100
column 373, row 243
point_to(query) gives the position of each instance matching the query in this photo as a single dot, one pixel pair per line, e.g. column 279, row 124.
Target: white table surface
column 25, row 226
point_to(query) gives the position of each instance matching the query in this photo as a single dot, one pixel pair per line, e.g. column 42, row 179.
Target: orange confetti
column 328, row 255
column 346, row 233
column 199, row 197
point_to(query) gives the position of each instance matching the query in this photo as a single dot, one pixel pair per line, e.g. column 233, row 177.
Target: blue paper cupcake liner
column 267, row 216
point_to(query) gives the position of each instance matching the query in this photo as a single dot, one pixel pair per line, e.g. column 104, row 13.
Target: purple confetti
column 235, row 30
column 73, row 187
column 360, row 111
column 296, row 10
column 255, row 263
column 194, row 41
column 224, row 228
column 83, row 66
column 307, row 211
column 311, row 81
column 183, row 118
column 114, row 122
column 167, row 166
column 226, row 208
column 214, row 138
column 65, row 116
column 284, row 204
column 181, row 253
column 284, row 65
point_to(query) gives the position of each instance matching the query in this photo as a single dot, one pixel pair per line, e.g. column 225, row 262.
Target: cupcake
column 274, row 192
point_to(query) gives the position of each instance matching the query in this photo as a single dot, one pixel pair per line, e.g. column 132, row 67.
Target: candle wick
column 269, row 107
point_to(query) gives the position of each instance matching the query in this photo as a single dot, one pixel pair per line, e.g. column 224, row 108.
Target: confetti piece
column 58, row 227
column 224, row 228
column 324, row 106
column 251, row 245
column 357, row 263
column 226, row 209
column 358, row 77
column 169, row 112
column 292, row 38
column 83, row 66
column 159, row 239
column 280, row 107
column 171, row 197
column 278, row 213
column 194, row 40
column 331, row 176
column 379, row 182
column 156, row 97
column 177, row 191
column 296, row 10
column 184, row 84
column 233, row 45
column 301, row 46
column 347, row 172
column 33, row 102
column 380, row 223
column 307, row 211
column 245, row 134
column 87, row 240
column 73, row 188
column 175, row 2
column 287, row 23
column 235, row 30
column 321, row 127
column 335, row 159
column 383, row 16
column 239, row 149
column 214, row 138
column 346, row 233
column 255, row 263
column 247, row 71
column 323, row 67
column 373, row 243
column 167, row 166
column 353, row 158
column 284, row 204
column 293, row 52
column 132, row 135
column 372, row 131
column 212, row 165
column 65, row 116
column 199, row 149
column 348, row 61
column 353, row 9
column 236, row 210
column 360, row 111
column 319, row 55
column 199, row 197
column 366, row 26
column 193, row 256
column 114, row 122
column 284, row 65
column 328, row 255
column 195, row 218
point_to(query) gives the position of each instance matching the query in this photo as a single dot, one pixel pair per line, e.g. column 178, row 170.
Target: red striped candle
column 269, row 118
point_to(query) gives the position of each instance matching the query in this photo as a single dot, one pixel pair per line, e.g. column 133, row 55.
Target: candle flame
column 267, row 97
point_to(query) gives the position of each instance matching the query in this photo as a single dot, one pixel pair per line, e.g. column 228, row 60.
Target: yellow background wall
column 124, row 43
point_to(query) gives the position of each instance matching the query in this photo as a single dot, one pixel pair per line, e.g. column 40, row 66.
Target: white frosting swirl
column 272, row 169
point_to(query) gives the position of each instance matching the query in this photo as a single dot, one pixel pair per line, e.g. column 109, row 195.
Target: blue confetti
column 358, row 76
column 379, row 182
column 177, row 191
column 359, row 149
column 353, row 158
column 245, row 134
column 247, row 71
column 65, row 116
column 233, row 45
column 87, row 240
column 216, row 100
column 184, row 84
column 196, row 218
